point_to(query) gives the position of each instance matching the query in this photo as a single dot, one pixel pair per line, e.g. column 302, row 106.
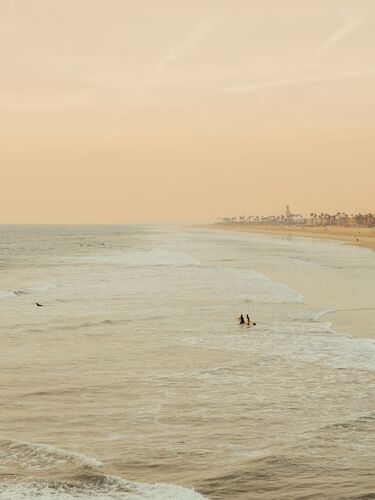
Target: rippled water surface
column 135, row 381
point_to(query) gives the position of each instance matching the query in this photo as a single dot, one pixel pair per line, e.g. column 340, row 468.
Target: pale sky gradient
column 123, row 111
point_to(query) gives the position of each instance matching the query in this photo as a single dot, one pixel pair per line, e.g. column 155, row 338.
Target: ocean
column 135, row 380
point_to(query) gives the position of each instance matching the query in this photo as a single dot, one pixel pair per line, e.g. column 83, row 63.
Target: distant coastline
column 359, row 236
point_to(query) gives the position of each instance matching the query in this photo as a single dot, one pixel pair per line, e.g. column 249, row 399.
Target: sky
column 153, row 111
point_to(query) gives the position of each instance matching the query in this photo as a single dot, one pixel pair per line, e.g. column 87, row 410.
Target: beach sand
column 349, row 299
column 365, row 235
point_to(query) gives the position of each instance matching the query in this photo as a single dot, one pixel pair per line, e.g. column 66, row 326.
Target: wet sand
column 365, row 235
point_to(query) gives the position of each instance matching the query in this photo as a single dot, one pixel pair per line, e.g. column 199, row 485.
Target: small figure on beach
column 242, row 320
column 247, row 320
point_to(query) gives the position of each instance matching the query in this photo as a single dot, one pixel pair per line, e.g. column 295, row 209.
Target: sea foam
column 42, row 471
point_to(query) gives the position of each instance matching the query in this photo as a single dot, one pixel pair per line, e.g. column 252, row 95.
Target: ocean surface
column 135, row 381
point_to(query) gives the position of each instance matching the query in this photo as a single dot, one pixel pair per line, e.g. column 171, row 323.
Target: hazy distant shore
column 365, row 235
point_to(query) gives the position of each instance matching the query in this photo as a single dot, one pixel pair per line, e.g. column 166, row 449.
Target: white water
column 134, row 377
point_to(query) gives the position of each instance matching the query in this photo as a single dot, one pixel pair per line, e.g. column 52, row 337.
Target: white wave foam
column 46, row 491
column 264, row 290
column 42, row 288
column 25, row 291
column 152, row 257
column 30, row 456
column 319, row 343
column 7, row 295
column 319, row 314
column 358, row 353
column 313, row 327
column 45, row 472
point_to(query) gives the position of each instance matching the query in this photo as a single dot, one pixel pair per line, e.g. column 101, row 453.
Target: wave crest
column 30, row 470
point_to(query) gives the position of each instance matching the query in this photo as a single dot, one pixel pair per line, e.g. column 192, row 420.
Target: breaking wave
column 152, row 257
column 30, row 470
column 26, row 291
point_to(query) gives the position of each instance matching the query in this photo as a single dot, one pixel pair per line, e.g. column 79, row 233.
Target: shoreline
column 348, row 235
column 350, row 314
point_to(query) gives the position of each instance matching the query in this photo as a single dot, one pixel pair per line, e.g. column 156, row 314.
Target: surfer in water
column 242, row 320
column 248, row 322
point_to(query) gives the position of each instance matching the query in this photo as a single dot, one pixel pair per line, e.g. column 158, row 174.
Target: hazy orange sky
column 124, row 111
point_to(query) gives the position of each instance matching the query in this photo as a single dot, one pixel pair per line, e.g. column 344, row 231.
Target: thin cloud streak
column 196, row 36
column 244, row 89
column 338, row 36
column 335, row 38
column 5, row 15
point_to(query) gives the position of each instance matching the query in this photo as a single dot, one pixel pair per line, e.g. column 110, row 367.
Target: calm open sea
column 135, row 381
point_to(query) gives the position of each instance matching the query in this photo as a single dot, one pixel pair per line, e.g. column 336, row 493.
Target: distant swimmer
column 39, row 305
column 242, row 320
column 248, row 322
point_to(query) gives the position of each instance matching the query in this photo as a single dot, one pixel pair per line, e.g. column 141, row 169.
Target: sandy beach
column 348, row 299
column 359, row 236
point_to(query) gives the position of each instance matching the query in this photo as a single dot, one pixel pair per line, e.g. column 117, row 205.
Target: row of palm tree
column 342, row 219
column 315, row 219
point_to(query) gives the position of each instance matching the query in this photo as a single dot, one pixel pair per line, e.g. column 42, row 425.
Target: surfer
column 242, row 320
column 247, row 320
column 39, row 305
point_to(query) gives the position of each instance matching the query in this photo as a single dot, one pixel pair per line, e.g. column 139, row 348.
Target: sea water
column 134, row 380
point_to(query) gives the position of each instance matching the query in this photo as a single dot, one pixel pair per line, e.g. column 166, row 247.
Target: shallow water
column 134, row 379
